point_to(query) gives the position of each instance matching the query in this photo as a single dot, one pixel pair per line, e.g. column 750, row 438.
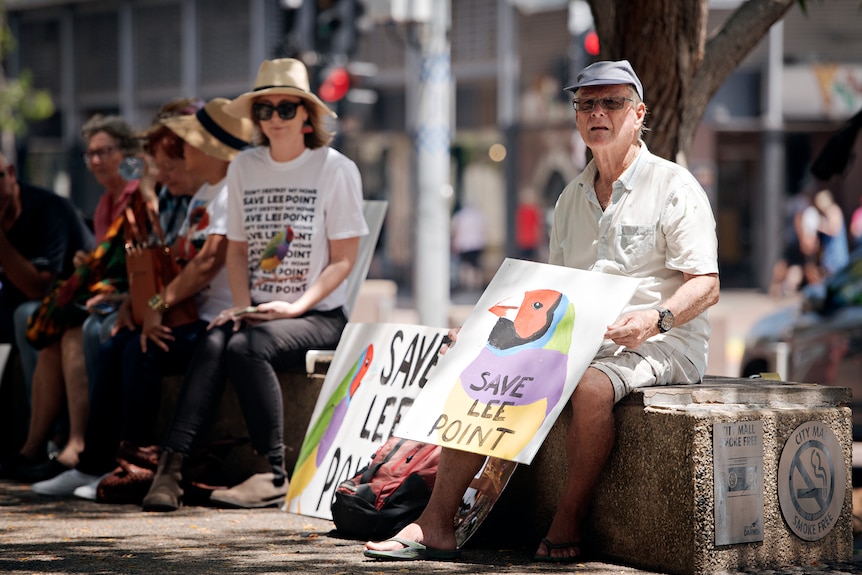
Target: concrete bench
column 655, row 504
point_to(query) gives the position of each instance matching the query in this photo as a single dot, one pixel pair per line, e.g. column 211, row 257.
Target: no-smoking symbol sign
column 811, row 480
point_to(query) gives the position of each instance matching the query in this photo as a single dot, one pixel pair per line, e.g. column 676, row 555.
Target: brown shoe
column 259, row 490
column 165, row 493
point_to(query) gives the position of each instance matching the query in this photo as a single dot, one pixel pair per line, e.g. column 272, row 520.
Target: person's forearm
column 198, row 272
column 693, row 297
column 329, row 279
column 237, row 273
column 32, row 282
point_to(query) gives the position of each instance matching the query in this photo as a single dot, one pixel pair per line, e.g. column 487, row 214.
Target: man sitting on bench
column 628, row 213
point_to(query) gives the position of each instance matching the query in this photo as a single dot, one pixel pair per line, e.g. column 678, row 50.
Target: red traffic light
column 591, row 43
column 335, row 86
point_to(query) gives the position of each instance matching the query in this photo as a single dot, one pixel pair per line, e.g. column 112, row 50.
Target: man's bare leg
column 435, row 528
column 588, row 445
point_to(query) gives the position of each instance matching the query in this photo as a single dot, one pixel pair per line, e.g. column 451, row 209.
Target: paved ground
column 68, row 537
column 49, row 536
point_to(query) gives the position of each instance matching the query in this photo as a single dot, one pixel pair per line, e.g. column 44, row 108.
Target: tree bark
column 680, row 68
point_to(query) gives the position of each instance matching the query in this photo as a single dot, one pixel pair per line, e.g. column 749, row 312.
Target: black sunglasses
column 262, row 111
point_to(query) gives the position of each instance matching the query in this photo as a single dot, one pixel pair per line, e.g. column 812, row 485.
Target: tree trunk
column 666, row 42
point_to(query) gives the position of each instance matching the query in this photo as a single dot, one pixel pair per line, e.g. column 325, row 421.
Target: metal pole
column 432, row 154
column 773, row 166
column 257, row 45
column 189, row 58
column 509, row 70
column 128, row 102
column 71, row 122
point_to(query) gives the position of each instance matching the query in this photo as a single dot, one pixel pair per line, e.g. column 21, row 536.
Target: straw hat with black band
column 289, row 77
column 213, row 131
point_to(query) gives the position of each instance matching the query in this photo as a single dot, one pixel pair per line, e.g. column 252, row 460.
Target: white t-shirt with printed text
column 288, row 212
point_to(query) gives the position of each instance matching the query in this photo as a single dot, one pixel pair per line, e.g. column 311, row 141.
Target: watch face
column 665, row 321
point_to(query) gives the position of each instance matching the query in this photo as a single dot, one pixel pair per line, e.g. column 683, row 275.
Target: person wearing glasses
column 56, row 326
column 293, row 228
column 192, row 152
column 628, row 213
column 176, row 186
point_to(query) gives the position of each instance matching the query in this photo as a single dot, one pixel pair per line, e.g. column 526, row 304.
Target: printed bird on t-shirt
column 321, row 435
column 189, row 244
column 520, row 373
column 276, row 249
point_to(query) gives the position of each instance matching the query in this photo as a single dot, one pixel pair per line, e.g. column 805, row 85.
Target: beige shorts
column 647, row 365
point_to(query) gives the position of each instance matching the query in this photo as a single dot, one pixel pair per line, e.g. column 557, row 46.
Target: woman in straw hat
column 294, row 223
column 138, row 357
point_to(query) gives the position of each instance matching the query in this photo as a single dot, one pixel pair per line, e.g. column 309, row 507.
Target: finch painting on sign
column 518, row 358
column 376, row 372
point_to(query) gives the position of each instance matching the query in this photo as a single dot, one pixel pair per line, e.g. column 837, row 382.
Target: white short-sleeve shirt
column 658, row 226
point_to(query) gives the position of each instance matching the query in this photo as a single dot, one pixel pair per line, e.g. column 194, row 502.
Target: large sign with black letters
column 375, row 375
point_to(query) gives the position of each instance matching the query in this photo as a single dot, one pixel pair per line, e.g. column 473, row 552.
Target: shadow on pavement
column 70, row 536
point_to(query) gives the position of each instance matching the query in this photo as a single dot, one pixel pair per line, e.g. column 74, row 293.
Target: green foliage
column 20, row 102
column 7, row 39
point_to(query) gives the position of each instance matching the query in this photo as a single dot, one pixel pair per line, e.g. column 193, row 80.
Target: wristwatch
column 665, row 319
column 157, row 303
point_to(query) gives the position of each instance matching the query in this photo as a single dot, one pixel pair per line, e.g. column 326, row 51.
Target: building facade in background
column 514, row 138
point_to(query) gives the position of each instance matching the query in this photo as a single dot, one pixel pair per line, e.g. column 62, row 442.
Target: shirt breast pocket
column 635, row 245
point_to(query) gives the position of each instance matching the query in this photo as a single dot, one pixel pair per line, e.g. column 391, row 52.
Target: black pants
column 126, row 394
column 251, row 358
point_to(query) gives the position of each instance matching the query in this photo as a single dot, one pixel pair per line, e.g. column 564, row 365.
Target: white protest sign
column 376, row 372
column 517, row 361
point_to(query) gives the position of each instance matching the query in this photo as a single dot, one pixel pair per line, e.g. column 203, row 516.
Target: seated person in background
column 127, row 392
column 40, row 232
column 287, row 279
column 834, row 251
column 55, row 326
column 628, row 213
column 174, row 196
column 797, row 265
column 176, row 187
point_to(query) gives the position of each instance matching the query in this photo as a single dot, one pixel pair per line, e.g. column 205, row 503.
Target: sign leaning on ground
column 375, row 375
column 811, row 480
column 737, row 448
